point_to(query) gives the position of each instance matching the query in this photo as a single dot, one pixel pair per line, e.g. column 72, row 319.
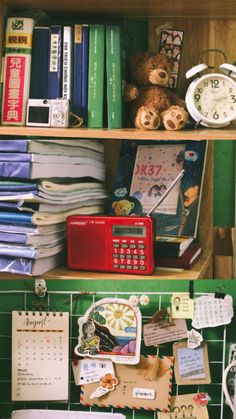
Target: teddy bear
column 122, row 207
column 151, row 103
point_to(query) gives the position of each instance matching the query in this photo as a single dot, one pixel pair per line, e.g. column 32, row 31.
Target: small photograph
column 173, row 81
column 172, row 37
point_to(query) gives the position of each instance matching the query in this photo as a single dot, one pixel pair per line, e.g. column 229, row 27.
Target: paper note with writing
column 63, row 414
column 184, row 406
column 211, row 312
column 191, row 365
column 91, row 370
column 156, row 167
column 155, row 334
column 182, row 306
column 40, row 351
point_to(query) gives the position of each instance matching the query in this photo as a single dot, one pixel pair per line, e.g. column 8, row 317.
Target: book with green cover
column 96, row 75
column 114, row 76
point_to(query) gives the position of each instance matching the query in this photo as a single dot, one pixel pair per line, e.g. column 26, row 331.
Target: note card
column 40, row 353
column 155, row 334
column 212, row 312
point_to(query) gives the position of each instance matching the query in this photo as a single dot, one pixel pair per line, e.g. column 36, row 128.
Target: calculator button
column 122, row 266
column 122, row 256
column 115, row 256
column 142, row 257
column 128, row 257
column 141, row 246
column 116, row 245
column 135, row 267
column 115, row 266
column 142, row 268
column 129, row 267
column 132, row 246
column 135, row 256
column 124, row 245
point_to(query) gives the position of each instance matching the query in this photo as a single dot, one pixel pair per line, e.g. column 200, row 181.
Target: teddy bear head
column 122, row 207
column 150, row 69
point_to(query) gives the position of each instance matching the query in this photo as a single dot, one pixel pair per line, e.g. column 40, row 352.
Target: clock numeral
column 233, row 97
column 231, row 108
column 199, row 90
column 224, row 114
column 214, row 84
column 206, row 114
column 230, row 90
column 199, row 108
column 216, row 115
column 197, row 97
column 205, row 83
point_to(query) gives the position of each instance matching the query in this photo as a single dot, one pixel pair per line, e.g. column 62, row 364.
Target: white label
column 54, row 51
column 144, row 393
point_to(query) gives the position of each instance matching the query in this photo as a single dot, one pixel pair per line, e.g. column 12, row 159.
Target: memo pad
column 191, row 365
column 110, row 328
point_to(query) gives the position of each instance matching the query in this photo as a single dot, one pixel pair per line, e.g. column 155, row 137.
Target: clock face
column 214, row 98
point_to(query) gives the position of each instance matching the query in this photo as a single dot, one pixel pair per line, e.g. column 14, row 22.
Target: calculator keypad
column 130, row 256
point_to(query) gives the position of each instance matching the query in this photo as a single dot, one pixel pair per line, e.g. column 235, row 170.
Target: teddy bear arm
column 131, row 92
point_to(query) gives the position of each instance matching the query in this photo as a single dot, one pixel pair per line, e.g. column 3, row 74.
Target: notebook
column 40, row 353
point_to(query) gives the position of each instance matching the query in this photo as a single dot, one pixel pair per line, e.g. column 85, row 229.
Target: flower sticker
column 201, row 399
column 107, row 383
column 194, row 339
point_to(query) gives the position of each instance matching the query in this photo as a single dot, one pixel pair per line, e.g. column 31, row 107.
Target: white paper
column 63, row 414
column 191, row 363
column 211, row 312
column 91, row 370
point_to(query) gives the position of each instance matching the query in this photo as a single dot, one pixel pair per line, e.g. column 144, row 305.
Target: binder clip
column 40, row 287
column 191, row 289
column 220, row 293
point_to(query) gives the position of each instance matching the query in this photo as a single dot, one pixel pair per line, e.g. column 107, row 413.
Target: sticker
column 194, row 339
column 144, row 393
column 211, row 312
column 91, row 370
column 111, row 328
column 201, row 399
column 182, row 306
column 107, row 384
column 155, row 334
column 185, row 406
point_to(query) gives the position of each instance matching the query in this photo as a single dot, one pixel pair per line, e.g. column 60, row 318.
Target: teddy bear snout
column 162, row 75
column 159, row 77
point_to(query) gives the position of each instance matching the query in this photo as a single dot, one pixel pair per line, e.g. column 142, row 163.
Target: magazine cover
column 130, row 188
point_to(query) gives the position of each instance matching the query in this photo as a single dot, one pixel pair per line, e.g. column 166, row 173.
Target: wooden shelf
column 135, row 8
column 200, row 270
column 120, row 134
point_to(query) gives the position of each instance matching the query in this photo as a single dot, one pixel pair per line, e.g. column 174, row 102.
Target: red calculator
column 111, row 244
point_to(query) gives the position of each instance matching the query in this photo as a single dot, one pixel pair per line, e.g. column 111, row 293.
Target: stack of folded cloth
column 42, row 181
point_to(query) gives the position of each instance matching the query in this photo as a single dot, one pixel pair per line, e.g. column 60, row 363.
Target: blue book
column 15, row 169
column 16, row 218
column 54, row 88
column 84, row 77
column 19, row 146
column 7, row 186
column 26, row 266
column 39, row 64
column 15, row 157
column 77, row 70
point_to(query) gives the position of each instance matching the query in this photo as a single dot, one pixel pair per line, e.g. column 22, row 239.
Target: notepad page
column 40, row 356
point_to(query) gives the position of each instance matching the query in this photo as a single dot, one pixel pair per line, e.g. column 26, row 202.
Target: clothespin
column 169, row 314
column 191, row 289
column 40, row 287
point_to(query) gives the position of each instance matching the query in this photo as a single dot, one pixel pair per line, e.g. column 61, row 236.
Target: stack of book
column 68, row 62
column 42, row 181
column 176, row 252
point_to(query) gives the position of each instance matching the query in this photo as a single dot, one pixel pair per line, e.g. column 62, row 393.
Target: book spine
column 96, row 76
column 19, row 146
column 67, row 63
column 114, row 76
column 85, row 58
column 54, row 89
column 15, row 169
column 77, row 87
column 39, row 65
column 16, row 73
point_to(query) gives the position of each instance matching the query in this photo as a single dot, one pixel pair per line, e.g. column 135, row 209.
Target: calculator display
column 130, row 231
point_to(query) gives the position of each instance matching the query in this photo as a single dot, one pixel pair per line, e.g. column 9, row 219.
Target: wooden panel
column 179, row 8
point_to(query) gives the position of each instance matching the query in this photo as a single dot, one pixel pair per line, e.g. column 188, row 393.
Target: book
column 77, row 70
column 31, row 239
column 114, row 76
column 54, row 87
column 7, row 186
column 172, row 245
column 16, row 70
column 35, row 170
column 32, row 229
column 184, row 222
column 96, row 75
column 83, row 148
column 31, row 252
column 39, row 65
column 84, row 75
column 63, row 414
column 40, row 351
column 33, row 267
column 67, row 70
column 186, row 261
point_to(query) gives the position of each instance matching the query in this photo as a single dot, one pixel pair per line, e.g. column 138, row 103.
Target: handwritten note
column 155, row 334
column 212, row 312
column 91, row 370
column 182, row 306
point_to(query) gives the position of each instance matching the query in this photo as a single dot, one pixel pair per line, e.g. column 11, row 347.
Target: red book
column 186, row 261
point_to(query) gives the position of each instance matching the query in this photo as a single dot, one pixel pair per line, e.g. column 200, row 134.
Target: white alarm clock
column 211, row 98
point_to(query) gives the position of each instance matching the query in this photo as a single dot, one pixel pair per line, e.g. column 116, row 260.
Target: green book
column 96, row 76
column 114, row 76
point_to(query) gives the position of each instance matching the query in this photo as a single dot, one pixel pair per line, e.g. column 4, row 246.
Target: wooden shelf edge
column 198, row 272
column 120, row 134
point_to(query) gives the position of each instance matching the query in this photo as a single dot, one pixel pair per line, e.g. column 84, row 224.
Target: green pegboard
column 65, row 296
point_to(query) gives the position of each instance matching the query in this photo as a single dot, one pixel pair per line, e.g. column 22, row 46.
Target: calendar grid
column 76, row 303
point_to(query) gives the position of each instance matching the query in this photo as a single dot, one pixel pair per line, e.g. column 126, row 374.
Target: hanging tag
column 40, row 287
